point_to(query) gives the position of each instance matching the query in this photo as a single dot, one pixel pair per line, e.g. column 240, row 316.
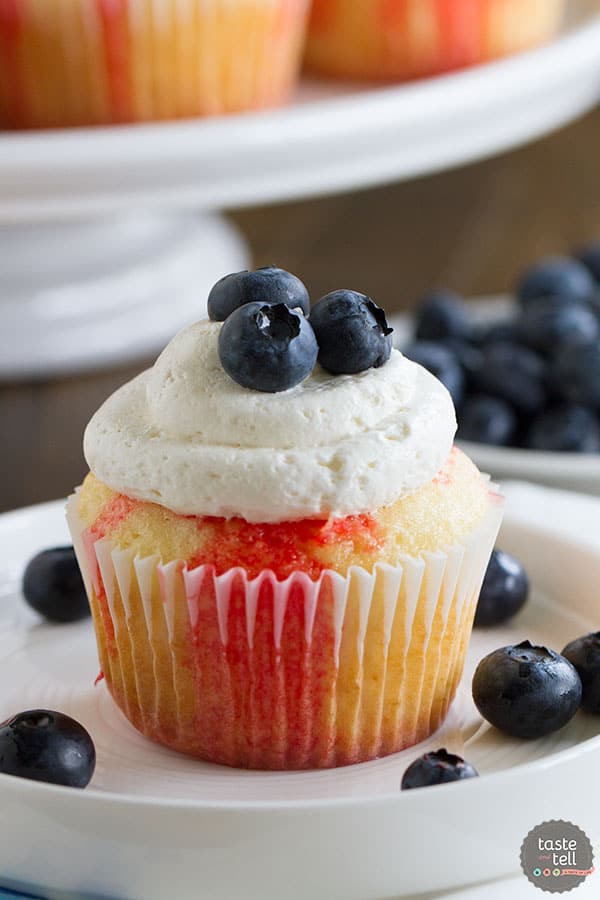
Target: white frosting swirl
column 184, row 435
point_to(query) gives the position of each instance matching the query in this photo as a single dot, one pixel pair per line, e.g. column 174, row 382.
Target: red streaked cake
column 281, row 580
column 96, row 62
column 394, row 40
column 437, row 515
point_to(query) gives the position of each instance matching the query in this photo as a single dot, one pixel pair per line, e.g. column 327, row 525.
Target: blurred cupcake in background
column 394, row 40
column 97, row 62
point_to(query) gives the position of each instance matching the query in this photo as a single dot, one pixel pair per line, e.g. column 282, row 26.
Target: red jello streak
column 444, row 476
column 12, row 18
column 393, row 13
column 286, row 15
column 295, row 653
column 283, row 547
column 100, row 592
column 394, row 20
column 113, row 514
column 323, row 15
column 113, row 19
column 216, row 705
column 260, row 696
column 460, row 28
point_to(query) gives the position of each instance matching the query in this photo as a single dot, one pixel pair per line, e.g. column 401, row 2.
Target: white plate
column 330, row 138
column 155, row 824
column 569, row 471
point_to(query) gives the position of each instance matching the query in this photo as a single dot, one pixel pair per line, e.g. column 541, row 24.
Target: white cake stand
column 133, row 258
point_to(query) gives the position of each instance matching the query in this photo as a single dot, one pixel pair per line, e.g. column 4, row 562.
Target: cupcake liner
column 109, row 61
column 287, row 674
column 404, row 39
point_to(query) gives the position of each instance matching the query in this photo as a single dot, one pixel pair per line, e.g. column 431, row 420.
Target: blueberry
column 552, row 323
column 437, row 767
column 504, row 590
column 594, row 303
column 267, row 348
column 513, row 374
column 565, row 429
column 504, row 331
column 442, row 314
column 487, row 420
column 575, row 375
column 589, row 256
column 44, row 745
column 526, row 691
column 442, row 363
column 267, row 285
column 470, row 357
column 556, row 276
column 352, row 333
column 53, row 586
column 584, row 654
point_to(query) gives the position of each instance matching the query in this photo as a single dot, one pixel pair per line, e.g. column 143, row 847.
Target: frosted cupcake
column 94, row 62
column 396, row 40
column 282, row 576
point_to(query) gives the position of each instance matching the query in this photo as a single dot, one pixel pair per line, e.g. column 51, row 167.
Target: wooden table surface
column 471, row 229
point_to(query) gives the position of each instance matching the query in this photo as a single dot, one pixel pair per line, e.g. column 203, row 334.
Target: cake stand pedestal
column 131, row 263
column 77, row 296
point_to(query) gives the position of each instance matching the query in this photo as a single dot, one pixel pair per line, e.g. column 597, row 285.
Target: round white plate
column 331, row 137
column 155, row 824
column 570, row 471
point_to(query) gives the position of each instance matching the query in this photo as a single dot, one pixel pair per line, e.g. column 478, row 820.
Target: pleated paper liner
column 290, row 674
column 89, row 62
column 405, row 39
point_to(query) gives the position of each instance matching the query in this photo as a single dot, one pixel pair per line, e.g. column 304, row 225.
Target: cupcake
column 97, row 62
column 395, row 40
column 283, row 558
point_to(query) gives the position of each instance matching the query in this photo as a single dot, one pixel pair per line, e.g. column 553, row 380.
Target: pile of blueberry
column 271, row 339
column 42, row 744
column 523, row 690
column 530, row 381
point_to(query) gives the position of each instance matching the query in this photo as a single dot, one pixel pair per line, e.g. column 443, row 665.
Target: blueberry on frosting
column 267, row 348
column 268, row 285
column 352, row 333
column 185, row 434
column 268, row 344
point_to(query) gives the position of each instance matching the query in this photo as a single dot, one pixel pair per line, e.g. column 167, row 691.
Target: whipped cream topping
column 184, row 435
